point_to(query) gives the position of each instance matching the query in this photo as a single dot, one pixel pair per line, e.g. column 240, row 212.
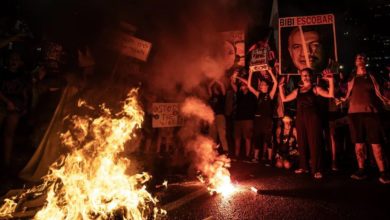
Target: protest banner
column 259, row 59
column 166, row 115
column 134, row 47
column 306, row 42
column 235, row 41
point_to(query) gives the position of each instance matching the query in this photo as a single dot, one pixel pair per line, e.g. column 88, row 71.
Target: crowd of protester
column 310, row 123
column 307, row 122
column 313, row 126
column 34, row 71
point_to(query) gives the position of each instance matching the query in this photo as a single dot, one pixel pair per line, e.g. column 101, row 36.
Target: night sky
column 79, row 22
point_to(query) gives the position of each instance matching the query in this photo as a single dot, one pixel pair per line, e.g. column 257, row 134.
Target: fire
column 90, row 182
column 254, row 189
column 213, row 168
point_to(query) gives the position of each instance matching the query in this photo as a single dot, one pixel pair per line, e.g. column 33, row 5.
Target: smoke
column 188, row 47
column 202, row 150
column 195, row 107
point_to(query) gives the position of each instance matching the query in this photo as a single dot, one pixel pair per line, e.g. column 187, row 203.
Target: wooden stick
column 305, row 51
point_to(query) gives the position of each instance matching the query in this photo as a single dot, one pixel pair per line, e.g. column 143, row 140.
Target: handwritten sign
column 259, row 59
column 166, row 115
column 134, row 47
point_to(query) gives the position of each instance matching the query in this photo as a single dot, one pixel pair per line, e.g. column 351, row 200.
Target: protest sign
column 306, row 42
column 134, row 47
column 235, row 41
column 259, row 59
column 166, row 115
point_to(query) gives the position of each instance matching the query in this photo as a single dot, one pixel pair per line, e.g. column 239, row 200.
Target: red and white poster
column 306, row 42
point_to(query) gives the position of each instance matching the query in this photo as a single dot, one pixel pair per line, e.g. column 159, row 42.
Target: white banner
column 166, row 115
column 134, row 47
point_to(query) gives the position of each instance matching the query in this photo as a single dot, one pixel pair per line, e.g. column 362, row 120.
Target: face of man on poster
column 229, row 56
column 307, row 42
column 307, row 52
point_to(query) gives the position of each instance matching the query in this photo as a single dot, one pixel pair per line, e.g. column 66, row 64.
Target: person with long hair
column 308, row 119
column 363, row 118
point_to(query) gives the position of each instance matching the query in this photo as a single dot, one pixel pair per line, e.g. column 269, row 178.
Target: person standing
column 217, row 94
column 363, row 118
column 308, row 121
column 263, row 116
column 245, row 112
column 13, row 102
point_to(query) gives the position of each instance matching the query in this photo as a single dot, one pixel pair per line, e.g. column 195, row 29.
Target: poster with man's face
column 234, row 47
column 306, row 42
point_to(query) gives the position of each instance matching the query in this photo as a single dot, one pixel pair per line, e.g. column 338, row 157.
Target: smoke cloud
column 196, row 107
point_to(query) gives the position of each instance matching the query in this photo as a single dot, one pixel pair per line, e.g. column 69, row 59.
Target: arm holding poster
column 275, row 83
column 289, row 97
column 250, row 87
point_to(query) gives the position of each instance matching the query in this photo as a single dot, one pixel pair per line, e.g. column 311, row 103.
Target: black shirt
column 264, row 106
column 246, row 106
column 217, row 103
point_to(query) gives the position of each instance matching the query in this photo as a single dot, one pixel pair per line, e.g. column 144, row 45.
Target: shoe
column 267, row 163
column 318, row 175
column 300, row 170
column 334, row 166
column 360, row 174
column 255, row 160
column 384, row 178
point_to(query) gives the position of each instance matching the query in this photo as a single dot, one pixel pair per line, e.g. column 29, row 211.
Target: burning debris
column 91, row 181
column 254, row 189
column 212, row 167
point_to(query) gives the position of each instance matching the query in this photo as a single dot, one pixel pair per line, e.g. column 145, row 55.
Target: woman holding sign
column 308, row 121
column 263, row 115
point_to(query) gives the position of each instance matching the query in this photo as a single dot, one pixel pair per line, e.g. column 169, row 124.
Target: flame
column 213, row 167
column 254, row 189
column 91, row 182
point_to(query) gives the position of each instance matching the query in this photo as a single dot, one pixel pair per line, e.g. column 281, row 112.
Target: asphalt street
column 282, row 194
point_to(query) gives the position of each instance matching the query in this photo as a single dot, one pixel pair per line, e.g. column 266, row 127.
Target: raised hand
column 282, row 81
column 327, row 74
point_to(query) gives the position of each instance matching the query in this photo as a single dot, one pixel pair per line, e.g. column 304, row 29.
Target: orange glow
column 254, row 189
column 213, row 168
column 91, row 181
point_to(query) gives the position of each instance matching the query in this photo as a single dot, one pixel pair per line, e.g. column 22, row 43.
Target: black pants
column 262, row 132
column 309, row 138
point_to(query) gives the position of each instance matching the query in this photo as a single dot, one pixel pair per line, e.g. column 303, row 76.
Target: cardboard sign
column 134, row 47
column 306, row 42
column 259, row 59
column 166, row 115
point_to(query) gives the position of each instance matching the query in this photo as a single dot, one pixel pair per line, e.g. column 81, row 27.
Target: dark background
column 360, row 25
